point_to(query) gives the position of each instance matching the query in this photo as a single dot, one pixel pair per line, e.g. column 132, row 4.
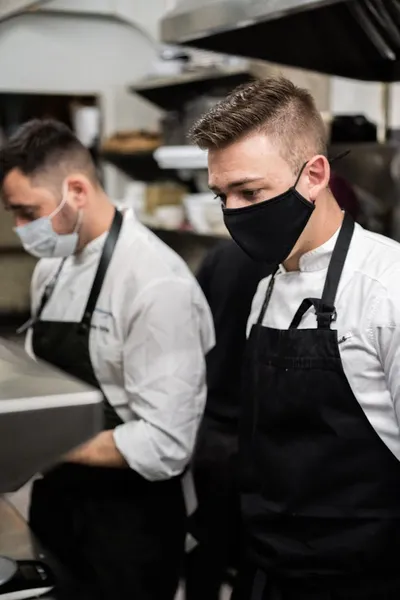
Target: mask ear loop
column 78, row 221
column 298, row 179
column 61, row 206
column 62, row 203
column 300, row 174
column 339, row 156
column 330, row 160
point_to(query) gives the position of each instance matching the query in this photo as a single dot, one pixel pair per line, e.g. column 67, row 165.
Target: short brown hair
column 276, row 106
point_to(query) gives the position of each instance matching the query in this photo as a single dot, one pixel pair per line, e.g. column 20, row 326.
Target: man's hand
column 101, row 451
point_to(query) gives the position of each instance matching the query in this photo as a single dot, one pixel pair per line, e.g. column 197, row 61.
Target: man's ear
column 77, row 187
column 319, row 172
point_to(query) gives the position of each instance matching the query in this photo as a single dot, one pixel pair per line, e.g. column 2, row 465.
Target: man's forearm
column 101, row 451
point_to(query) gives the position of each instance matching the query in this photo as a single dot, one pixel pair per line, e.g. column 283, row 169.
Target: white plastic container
column 170, row 216
column 196, row 211
column 181, row 157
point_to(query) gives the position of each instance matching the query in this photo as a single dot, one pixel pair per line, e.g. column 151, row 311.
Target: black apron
column 120, row 535
column 320, row 489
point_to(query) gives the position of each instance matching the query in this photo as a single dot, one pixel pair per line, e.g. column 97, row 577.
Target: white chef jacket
column 368, row 320
column 149, row 335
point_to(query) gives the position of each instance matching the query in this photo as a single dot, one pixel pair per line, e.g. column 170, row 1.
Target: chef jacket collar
column 317, row 259
column 94, row 247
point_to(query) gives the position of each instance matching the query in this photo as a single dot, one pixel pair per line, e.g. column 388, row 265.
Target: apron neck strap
column 337, row 261
column 324, row 307
column 49, row 289
column 267, row 297
column 105, row 259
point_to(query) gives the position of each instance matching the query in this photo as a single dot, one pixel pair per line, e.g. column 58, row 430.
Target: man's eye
column 28, row 215
column 250, row 194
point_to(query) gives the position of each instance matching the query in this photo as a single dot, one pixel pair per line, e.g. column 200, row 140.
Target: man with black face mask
column 320, row 438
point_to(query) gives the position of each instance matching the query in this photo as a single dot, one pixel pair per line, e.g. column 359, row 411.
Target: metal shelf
column 139, row 165
column 171, row 93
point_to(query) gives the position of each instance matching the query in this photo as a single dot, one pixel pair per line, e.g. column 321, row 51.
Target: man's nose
column 19, row 221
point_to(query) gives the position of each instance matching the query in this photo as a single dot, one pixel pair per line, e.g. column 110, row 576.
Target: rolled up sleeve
column 165, row 380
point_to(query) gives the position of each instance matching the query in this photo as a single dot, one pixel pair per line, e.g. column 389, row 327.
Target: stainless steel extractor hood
column 359, row 39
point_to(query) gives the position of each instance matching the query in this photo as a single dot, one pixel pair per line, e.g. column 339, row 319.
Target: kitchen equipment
column 214, row 218
column 173, row 93
column 366, row 47
column 200, row 105
column 44, row 413
column 132, row 141
column 135, row 197
column 171, row 61
column 86, row 122
column 181, row 157
column 8, row 569
column 371, row 170
column 170, row 217
column 172, row 128
column 166, row 68
column 352, row 129
column 31, row 579
column 195, row 206
column 161, row 194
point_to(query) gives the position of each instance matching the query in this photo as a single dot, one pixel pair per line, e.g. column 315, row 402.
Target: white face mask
column 39, row 238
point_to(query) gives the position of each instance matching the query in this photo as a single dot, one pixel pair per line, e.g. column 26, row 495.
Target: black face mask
column 269, row 230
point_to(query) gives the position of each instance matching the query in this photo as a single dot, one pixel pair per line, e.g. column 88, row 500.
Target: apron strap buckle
column 325, row 316
column 84, row 325
column 325, row 313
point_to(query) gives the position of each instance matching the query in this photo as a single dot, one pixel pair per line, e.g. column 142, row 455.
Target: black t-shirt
column 229, row 280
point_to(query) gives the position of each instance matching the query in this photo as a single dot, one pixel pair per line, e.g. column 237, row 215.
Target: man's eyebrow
column 238, row 183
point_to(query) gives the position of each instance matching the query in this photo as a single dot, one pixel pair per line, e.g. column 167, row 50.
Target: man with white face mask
column 115, row 307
